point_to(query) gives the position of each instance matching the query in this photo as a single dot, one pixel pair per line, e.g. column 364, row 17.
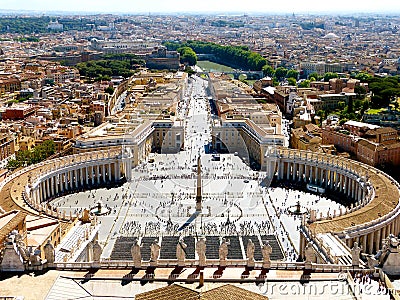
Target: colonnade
column 333, row 178
column 372, row 242
column 76, row 172
column 375, row 209
column 74, row 178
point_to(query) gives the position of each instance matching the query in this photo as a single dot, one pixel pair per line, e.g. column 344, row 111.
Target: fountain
column 100, row 209
column 297, row 209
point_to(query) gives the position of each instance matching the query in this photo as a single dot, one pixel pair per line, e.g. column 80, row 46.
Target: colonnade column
column 378, row 240
column 383, row 233
column 336, row 180
column 92, row 174
column 301, row 172
column 66, row 181
column 294, row 174
column 81, row 177
column 47, row 188
column 37, row 195
column 371, row 243
column 117, row 171
column 397, row 229
column 56, row 183
column 71, row 180
column 281, row 169
column 51, row 186
column 43, row 191
column 364, row 243
column 341, row 183
column 98, row 174
column 87, row 176
column 76, row 178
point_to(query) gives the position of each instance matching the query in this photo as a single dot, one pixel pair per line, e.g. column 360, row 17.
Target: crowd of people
column 167, row 227
column 366, row 284
column 131, row 228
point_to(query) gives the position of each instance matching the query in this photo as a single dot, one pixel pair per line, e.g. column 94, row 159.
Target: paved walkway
column 161, row 196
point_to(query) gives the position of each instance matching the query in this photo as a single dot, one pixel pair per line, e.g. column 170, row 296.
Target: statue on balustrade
column 309, row 254
column 266, row 251
column 136, row 254
column 154, row 252
column 11, row 259
column 201, row 251
column 355, row 255
column 20, row 244
column 97, row 250
column 250, row 253
column 223, row 252
column 49, row 252
column 85, row 216
column 34, row 258
column 181, row 252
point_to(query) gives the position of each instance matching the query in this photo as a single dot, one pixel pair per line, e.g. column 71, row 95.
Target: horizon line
column 253, row 13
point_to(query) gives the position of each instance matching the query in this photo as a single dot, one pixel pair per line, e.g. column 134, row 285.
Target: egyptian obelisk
column 198, row 193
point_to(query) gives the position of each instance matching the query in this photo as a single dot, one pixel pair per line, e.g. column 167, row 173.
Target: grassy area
column 373, row 111
column 209, row 66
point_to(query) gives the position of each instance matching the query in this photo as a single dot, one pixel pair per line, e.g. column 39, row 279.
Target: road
column 198, row 120
column 120, row 103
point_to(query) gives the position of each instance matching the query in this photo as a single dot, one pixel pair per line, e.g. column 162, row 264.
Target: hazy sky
column 260, row 6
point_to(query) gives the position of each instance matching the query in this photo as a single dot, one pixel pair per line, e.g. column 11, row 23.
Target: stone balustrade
column 275, row 265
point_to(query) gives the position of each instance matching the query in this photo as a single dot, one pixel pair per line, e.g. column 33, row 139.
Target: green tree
column 234, row 56
column 396, row 105
column 292, row 74
column 363, row 77
column 330, row 75
column 350, row 105
column 322, row 114
column 360, row 91
column 314, row 76
column 384, row 90
column 292, row 81
column 112, row 65
column 305, row 84
column 364, row 107
column 341, row 105
column 13, row 164
column 268, row 71
column 378, row 102
column 188, row 56
column 23, row 156
column 109, row 90
column 280, row 73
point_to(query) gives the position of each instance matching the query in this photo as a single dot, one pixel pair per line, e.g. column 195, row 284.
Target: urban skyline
column 207, row 6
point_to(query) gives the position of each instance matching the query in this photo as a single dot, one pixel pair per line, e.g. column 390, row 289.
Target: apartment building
column 7, row 149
